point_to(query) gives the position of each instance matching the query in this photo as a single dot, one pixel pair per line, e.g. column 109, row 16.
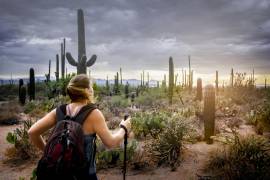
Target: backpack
column 64, row 155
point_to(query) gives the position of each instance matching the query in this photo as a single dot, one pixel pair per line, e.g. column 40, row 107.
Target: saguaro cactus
column 209, row 113
column 171, row 79
column 232, row 77
column 148, row 80
column 48, row 76
column 121, row 78
column 216, row 81
column 31, row 88
column 63, row 59
column 116, row 84
column 107, row 86
column 81, row 64
column 190, row 76
column 57, row 68
column 22, row 92
column 127, row 90
column 199, row 89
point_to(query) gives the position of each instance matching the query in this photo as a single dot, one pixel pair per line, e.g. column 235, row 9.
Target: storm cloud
column 137, row 35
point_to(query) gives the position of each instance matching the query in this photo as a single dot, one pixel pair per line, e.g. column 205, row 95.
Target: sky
column 138, row 35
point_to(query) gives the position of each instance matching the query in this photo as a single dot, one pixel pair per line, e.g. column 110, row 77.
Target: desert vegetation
column 168, row 119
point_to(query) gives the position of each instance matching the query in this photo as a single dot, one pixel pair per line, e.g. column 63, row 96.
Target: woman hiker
column 81, row 94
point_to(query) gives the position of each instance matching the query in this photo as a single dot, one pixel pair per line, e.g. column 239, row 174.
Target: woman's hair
column 76, row 89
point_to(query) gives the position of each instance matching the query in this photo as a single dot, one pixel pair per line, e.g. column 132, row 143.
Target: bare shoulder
column 95, row 115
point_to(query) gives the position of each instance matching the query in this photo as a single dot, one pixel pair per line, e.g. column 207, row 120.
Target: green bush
column 168, row 146
column 145, row 123
column 110, row 157
column 244, row 158
column 150, row 98
column 119, row 102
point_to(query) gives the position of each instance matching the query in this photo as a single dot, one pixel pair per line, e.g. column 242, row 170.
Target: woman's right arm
column 100, row 127
column 40, row 127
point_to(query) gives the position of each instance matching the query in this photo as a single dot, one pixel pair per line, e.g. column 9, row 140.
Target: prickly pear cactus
column 82, row 62
column 209, row 113
column 199, row 89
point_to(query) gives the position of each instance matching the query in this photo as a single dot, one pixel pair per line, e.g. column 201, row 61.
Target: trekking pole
column 125, row 147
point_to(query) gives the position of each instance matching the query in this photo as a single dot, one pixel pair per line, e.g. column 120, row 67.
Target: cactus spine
column 81, row 64
column 199, row 89
column 31, row 88
column 209, row 113
column 171, row 79
column 57, row 68
column 216, row 82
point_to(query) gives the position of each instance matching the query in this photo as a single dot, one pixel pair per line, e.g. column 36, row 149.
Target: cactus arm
column 91, row 61
column 71, row 60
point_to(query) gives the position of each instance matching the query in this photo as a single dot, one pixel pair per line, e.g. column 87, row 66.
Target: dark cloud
column 138, row 35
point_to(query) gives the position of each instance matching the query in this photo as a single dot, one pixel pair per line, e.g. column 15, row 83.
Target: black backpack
column 64, row 155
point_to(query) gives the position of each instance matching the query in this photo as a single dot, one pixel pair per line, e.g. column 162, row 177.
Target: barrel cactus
column 31, row 88
column 171, row 79
column 199, row 89
column 209, row 113
column 81, row 64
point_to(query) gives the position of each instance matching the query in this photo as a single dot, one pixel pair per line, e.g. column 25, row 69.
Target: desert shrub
column 144, row 123
column 119, row 102
column 40, row 107
column 150, row 98
column 9, row 113
column 110, row 157
column 242, row 158
column 20, row 139
column 168, row 146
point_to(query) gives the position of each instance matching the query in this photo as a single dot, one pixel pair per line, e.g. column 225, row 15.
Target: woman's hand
column 126, row 123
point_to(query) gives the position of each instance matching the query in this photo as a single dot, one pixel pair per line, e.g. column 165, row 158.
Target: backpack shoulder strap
column 84, row 112
column 61, row 112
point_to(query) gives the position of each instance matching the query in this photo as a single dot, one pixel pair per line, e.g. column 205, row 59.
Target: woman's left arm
column 40, row 127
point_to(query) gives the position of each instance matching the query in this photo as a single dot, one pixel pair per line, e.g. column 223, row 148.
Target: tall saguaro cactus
column 31, row 88
column 209, row 113
column 199, row 89
column 171, row 79
column 190, row 75
column 216, row 81
column 57, row 68
column 121, row 78
column 232, row 77
column 22, row 92
column 81, row 64
column 63, row 59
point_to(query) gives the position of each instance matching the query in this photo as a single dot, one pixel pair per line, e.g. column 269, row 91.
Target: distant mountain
column 100, row 82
